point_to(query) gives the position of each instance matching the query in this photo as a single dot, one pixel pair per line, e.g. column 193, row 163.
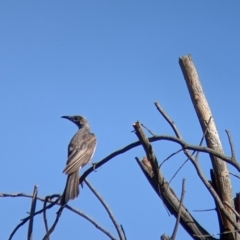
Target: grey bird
column 80, row 151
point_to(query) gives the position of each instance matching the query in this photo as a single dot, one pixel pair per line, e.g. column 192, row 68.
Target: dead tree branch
column 172, row 202
column 99, row 227
column 32, row 211
column 231, row 144
column 166, row 193
column 179, row 211
column 200, row 173
column 155, row 138
column 53, row 203
column 110, row 214
column 203, row 112
column 45, row 213
column 27, row 218
column 59, row 212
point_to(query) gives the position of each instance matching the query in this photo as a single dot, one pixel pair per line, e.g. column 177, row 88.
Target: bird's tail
column 71, row 190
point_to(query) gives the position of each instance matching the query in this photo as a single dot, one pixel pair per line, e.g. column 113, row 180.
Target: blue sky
column 108, row 61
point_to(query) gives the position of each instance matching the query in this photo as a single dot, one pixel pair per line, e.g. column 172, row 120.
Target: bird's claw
column 93, row 165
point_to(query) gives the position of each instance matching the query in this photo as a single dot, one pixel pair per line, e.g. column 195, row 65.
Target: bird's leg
column 93, row 164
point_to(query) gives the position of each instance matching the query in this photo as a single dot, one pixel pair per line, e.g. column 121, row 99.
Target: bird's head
column 78, row 120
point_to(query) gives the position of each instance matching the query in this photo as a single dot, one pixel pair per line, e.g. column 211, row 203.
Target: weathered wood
column 203, row 111
column 166, row 193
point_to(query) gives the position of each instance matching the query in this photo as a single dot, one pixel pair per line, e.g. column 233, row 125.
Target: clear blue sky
column 108, row 61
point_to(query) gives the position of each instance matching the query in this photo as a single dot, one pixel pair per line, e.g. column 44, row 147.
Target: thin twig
column 116, row 225
column 179, row 211
column 123, row 232
column 168, row 119
column 231, row 144
column 28, row 218
column 59, row 212
column 196, row 157
column 205, row 210
column 91, row 221
column 32, row 211
column 48, row 232
column 171, row 155
column 216, row 234
column 52, row 203
column 45, row 214
column 174, row 175
column 235, row 175
column 147, row 129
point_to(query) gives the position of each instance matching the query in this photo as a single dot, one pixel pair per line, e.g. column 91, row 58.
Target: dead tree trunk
column 220, row 170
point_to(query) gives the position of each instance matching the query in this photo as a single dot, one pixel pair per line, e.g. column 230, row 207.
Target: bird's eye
column 76, row 118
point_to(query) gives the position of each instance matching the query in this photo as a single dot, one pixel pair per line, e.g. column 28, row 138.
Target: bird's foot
column 93, row 164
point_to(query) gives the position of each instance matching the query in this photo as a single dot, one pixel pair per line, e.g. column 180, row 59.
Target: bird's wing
column 80, row 155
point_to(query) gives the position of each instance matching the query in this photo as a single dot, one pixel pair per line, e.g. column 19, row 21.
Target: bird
column 80, row 151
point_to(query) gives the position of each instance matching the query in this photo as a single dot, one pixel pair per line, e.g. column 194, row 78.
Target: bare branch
column 52, row 203
column 179, row 211
column 199, row 172
column 235, row 175
column 149, row 152
column 91, row 221
column 49, row 231
column 203, row 112
column 32, row 211
column 28, row 218
column 172, row 202
column 171, row 155
column 116, row 225
column 123, row 232
column 201, row 141
column 174, row 175
column 45, row 214
column 205, row 210
column 204, row 180
column 217, row 234
column 184, row 145
column 171, row 123
column 148, row 129
column 231, row 144
column 212, row 192
column 59, row 212
column 187, row 146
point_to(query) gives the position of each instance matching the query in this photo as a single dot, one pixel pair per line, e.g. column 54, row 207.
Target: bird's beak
column 66, row 117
